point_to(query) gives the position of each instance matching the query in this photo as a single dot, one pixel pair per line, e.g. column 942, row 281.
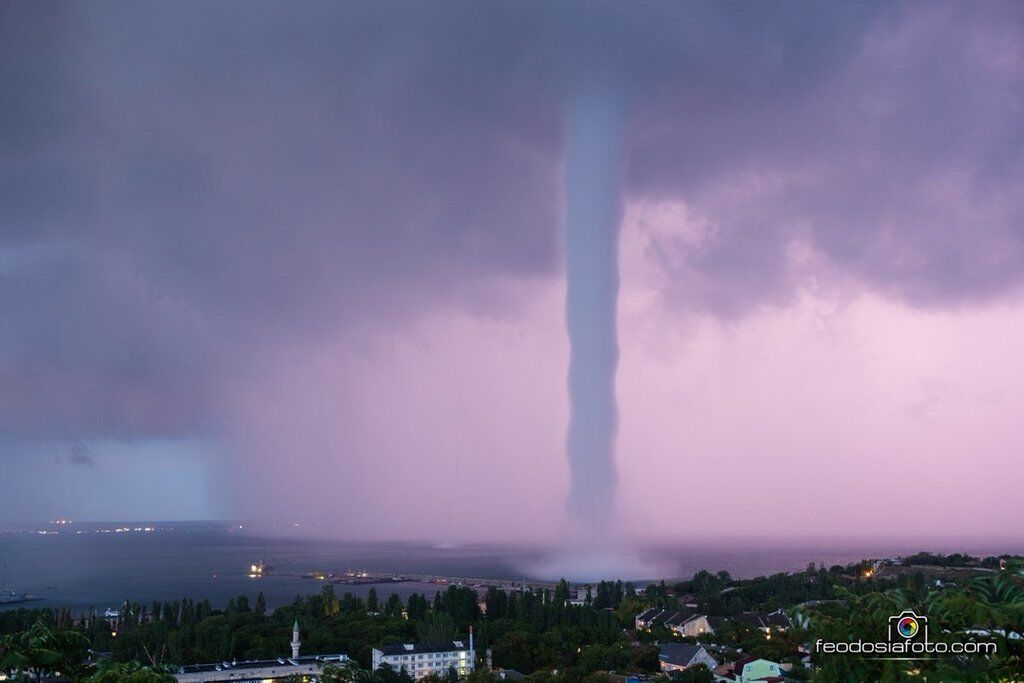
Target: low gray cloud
column 80, row 454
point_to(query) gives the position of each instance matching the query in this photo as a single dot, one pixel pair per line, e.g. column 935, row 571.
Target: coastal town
column 708, row 629
column 511, row 341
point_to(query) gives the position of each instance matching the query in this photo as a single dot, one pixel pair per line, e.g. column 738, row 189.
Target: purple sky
column 304, row 261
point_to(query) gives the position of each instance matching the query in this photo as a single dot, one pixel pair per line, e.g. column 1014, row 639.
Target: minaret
column 295, row 640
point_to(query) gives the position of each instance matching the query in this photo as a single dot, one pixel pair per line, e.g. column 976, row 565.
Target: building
column 296, row 643
column 676, row 621
column 716, row 623
column 689, row 623
column 583, row 595
column 694, row 625
column 681, row 656
column 648, row 619
column 749, row 670
column 258, row 671
column 422, row 659
column 776, row 621
column 111, row 617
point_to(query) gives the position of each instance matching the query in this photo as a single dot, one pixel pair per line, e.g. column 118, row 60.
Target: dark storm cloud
column 186, row 185
column 900, row 161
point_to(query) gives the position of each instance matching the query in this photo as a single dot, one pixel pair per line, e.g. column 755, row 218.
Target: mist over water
column 101, row 570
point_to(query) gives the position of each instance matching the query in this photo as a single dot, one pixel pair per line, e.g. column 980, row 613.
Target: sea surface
column 95, row 566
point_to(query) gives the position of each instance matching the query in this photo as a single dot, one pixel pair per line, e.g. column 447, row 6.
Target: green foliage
column 41, row 651
column 110, row 671
column 385, row 674
column 609, row 594
column 939, row 560
column 350, row 672
column 694, row 674
column 482, row 675
column 460, row 603
column 538, row 632
column 435, row 627
column 417, row 607
column 987, row 609
column 261, row 604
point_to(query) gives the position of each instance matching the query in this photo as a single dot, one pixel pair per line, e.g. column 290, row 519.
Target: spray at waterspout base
column 579, row 560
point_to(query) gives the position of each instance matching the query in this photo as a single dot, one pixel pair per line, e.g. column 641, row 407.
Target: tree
column 371, row 600
column 349, row 672
column 515, row 650
column 694, row 674
column 986, row 609
column 261, row 604
column 110, row 671
column 393, row 607
column 605, row 595
column 644, row 658
column 496, row 603
column 332, row 605
column 482, row 675
column 437, row 627
column 460, row 602
column 41, row 652
column 562, row 592
column 386, row 674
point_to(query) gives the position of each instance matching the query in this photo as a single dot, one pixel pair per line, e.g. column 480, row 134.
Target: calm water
column 101, row 570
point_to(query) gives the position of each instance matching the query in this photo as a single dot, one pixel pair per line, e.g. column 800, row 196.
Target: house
column 648, row 619
column 422, row 659
column 776, row 621
column 282, row 669
column 716, row 623
column 681, row 656
column 583, row 594
column 671, row 619
column 675, row 620
column 695, row 625
column 689, row 623
column 750, row 669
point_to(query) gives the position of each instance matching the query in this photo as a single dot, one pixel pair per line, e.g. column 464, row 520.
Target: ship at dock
column 7, row 595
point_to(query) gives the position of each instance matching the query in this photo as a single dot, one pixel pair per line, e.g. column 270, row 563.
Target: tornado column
column 593, row 213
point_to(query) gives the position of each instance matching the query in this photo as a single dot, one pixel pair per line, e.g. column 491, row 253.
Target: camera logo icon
column 907, row 624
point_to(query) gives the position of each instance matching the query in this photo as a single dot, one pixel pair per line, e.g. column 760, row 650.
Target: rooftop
column 417, row 648
column 256, row 664
column 680, row 654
